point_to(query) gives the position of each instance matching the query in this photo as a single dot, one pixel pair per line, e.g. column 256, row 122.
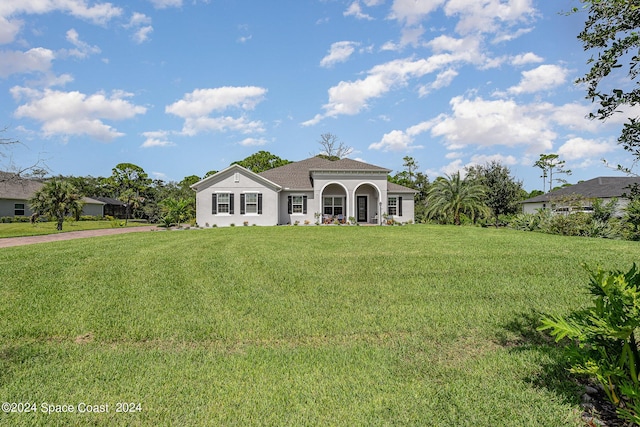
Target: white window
column 223, row 203
column 251, row 203
column 18, row 209
column 392, row 206
column 333, row 206
column 296, row 204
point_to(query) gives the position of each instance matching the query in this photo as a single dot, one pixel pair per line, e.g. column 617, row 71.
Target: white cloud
column 500, row 122
column 411, row 11
column 355, row 10
column 195, row 125
column 339, row 52
column 541, row 78
column 443, row 79
column 37, row 60
column 153, row 142
column 195, row 108
column 142, row 34
column 398, row 140
column 98, row 13
column 141, row 26
column 525, row 58
column 253, row 142
column 351, row 97
column 82, row 49
column 9, row 29
column 74, row 113
column 163, row 4
column 202, row 102
column 579, row 148
column 156, row 139
column 482, row 159
column 488, row 16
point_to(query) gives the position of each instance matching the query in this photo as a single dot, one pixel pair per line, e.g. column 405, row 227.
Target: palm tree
column 452, row 196
column 57, row 198
column 176, row 210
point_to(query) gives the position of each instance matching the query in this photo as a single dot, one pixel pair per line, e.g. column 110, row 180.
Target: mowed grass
column 414, row 325
column 19, row 229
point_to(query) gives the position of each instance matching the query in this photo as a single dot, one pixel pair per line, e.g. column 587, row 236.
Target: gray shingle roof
column 17, row 188
column 601, row 187
column 297, row 175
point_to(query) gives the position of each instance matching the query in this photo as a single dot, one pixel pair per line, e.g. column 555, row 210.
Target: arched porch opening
column 334, row 201
column 367, row 204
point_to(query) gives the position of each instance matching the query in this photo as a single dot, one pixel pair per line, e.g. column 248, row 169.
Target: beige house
column 315, row 190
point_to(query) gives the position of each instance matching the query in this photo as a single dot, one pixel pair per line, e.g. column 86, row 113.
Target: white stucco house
column 563, row 200
column 311, row 190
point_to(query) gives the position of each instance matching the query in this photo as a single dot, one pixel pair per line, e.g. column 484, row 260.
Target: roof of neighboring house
column 109, row 201
column 15, row 187
column 601, row 187
column 297, row 175
column 92, row 201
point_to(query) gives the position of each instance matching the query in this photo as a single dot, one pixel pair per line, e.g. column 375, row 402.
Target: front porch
column 362, row 206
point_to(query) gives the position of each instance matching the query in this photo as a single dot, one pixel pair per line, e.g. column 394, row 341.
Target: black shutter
column 242, row 209
column 231, row 203
column 304, row 204
column 290, row 204
column 214, row 207
column 400, row 206
column 259, row 203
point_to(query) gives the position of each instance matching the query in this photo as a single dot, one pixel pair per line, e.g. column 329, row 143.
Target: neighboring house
column 15, row 193
column 579, row 197
column 311, row 190
column 113, row 207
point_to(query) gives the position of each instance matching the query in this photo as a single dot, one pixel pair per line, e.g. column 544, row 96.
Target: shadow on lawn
column 521, row 335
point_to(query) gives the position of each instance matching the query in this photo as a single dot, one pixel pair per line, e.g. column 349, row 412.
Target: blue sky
column 182, row 87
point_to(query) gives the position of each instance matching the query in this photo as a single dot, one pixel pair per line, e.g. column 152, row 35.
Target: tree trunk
column 59, row 225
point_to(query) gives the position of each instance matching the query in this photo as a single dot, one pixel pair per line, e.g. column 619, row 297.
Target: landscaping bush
column 602, row 342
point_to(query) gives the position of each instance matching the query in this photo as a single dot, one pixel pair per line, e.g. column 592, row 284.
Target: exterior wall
column 285, row 217
column 531, row 208
column 7, row 207
column 408, row 207
column 236, row 182
column 92, row 209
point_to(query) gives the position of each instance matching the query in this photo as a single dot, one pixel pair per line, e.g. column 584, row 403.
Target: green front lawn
column 20, row 229
column 413, row 325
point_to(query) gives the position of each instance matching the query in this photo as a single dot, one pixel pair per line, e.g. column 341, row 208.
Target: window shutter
column 242, row 208
column 290, row 204
column 214, row 207
column 231, row 204
column 304, row 204
column 400, row 206
column 259, row 203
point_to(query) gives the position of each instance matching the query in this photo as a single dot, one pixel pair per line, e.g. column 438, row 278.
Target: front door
column 362, row 208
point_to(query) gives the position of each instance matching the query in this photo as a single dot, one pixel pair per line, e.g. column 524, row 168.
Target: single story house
column 315, row 190
column 16, row 191
column 579, row 197
column 113, row 207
